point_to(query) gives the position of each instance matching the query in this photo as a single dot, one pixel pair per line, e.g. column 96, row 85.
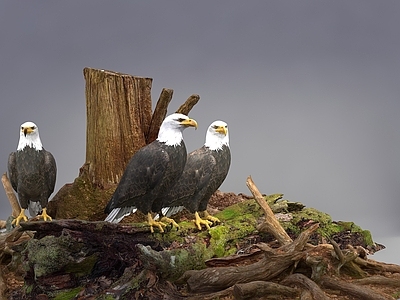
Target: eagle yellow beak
column 189, row 122
column 27, row 130
column 222, row 129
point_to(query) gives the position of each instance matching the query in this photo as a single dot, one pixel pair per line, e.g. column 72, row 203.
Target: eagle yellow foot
column 209, row 217
column 152, row 223
column 18, row 219
column 45, row 216
column 199, row 221
column 170, row 221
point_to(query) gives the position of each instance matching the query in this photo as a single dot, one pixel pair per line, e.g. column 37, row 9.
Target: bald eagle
column 205, row 170
column 151, row 172
column 32, row 171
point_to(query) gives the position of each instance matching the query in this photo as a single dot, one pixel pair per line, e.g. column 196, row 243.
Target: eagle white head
column 172, row 128
column 217, row 135
column 29, row 136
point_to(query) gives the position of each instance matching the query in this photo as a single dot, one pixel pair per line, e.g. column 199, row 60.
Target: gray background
column 310, row 90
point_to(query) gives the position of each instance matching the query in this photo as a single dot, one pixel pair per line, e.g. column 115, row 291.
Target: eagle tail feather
column 34, row 208
column 170, row 211
column 117, row 214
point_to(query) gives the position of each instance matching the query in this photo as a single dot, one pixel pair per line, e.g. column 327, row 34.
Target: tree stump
column 118, row 120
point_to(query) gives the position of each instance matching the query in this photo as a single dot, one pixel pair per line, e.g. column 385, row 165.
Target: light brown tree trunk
column 118, row 119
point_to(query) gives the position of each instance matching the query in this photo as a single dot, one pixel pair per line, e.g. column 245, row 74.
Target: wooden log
column 302, row 281
column 257, row 289
column 186, row 107
column 15, row 207
column 273, row 225
column 274, row 262
column 377, row 266
column 216, row 279
column 346, row 288
column 3, row 286
column 159, row 114
column 118, row 119
column 378, row 280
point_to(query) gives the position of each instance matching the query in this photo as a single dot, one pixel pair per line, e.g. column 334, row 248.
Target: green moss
column 218, row 240
column 225, row 236
column 228, row 214
column 368, row 237
column 271, row 199
column 48, row 255
column 67, row 295
column 312, row 214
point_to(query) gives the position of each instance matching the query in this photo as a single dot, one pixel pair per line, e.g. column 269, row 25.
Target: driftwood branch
column 377, row 266
column 272, row 224
column 351, row 289
column 274, row 262
column 159, row 114
column 186, row 107
column 257, row 289
column 16, row 209
column 379, row 280
column 3, row 286
column 304, row 282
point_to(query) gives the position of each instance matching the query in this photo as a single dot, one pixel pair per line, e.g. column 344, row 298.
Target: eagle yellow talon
column 199, row 221
column 207, row 216
column 152, row 223
column 18, row 219
column 170, row 221
column 45, row 216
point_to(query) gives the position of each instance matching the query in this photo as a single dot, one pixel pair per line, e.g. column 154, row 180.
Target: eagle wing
column 12, row 170
column 195, row 179
column 142, row 175
column 50, row 171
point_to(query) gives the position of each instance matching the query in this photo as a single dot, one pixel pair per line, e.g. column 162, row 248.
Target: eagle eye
column 181, row 119
column 33, row 127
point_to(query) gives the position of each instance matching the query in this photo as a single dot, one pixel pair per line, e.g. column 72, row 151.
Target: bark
column 3, row 286
column 15, row 207
column 274, row 262
column 186, row 107
column 373, row 265
column 379, row 280
column 118, row 119
column 352, row 289
column 304, row 282
column 159, row 114
column 256, row 289
column 271, row 223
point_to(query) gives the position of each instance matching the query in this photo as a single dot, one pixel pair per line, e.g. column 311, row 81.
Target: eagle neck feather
column 29, row 141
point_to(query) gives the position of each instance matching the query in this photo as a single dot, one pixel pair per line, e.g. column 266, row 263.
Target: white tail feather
column 34, row 208
column 117, row 214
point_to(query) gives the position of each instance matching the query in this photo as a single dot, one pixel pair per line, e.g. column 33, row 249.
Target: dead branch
column 186, row 107
column 379, row 280
column 159, row 114
column 274, row 262
column 16, row 209
column 304, row 282
column 271, row 223
column 352, row 289
column 377, row 266
column 256, row 289
column 3, row 286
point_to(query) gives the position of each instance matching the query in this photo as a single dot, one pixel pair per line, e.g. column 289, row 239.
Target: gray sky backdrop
column 310, row 90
